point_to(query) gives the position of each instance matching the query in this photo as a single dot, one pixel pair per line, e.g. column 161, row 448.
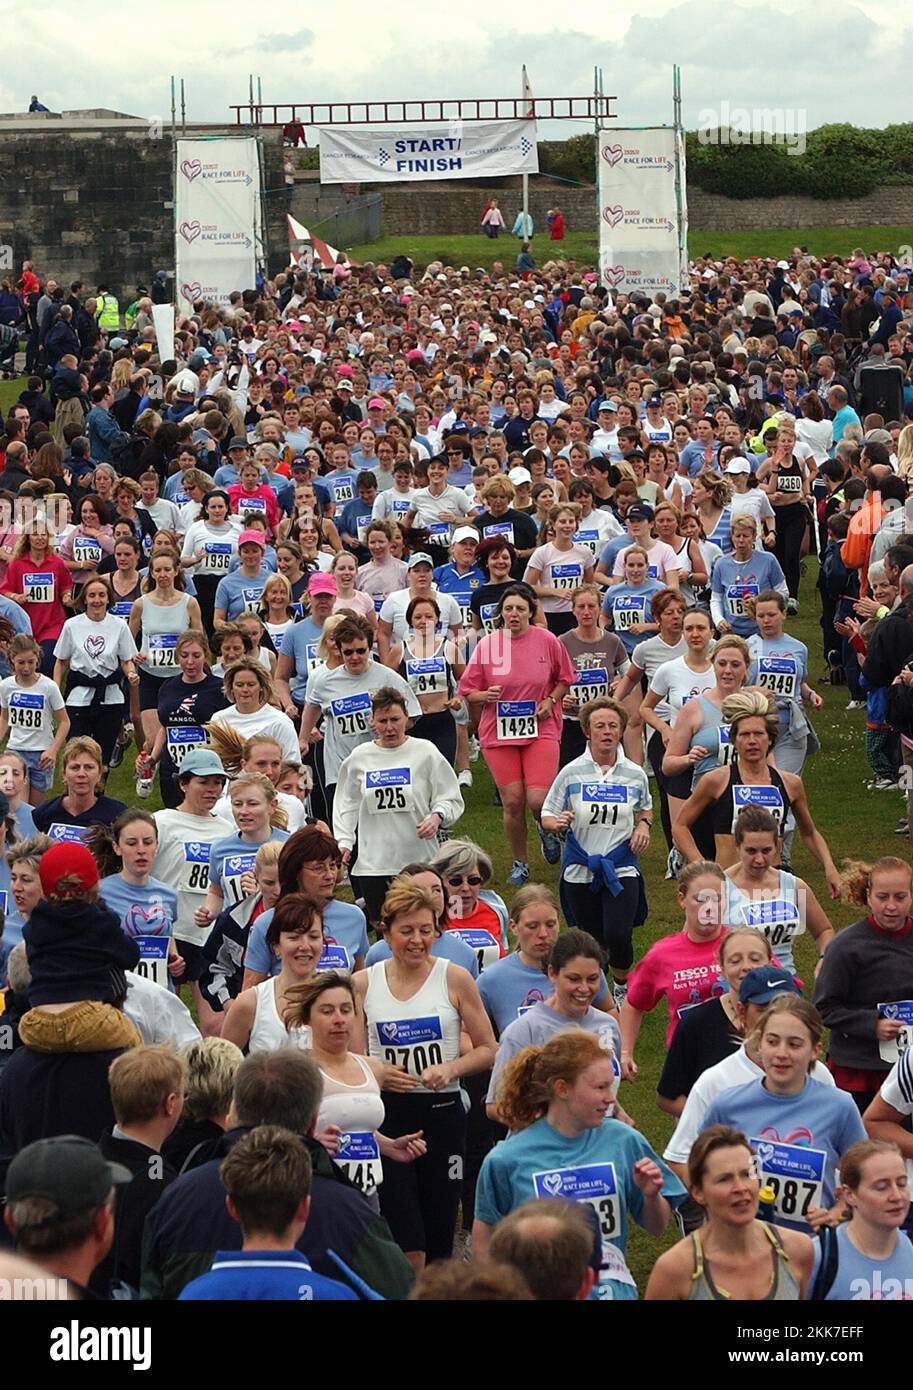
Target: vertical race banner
column 640, row 219
column 217, row 218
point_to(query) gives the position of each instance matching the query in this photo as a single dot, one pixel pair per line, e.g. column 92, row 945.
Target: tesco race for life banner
column 640, row 226
column 217, row 230
column 461, row 150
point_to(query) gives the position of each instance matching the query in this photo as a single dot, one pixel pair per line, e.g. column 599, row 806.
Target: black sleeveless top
column 771, row 796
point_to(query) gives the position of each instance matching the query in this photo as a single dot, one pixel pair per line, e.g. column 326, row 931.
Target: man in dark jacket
column 191, row 1221
column 62, row 338
column 147, row 1093
column 87, row 327
column 36, row 402
column 891, row 644
column 16, row 469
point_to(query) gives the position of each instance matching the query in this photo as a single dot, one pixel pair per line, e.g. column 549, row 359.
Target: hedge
column 839, row 161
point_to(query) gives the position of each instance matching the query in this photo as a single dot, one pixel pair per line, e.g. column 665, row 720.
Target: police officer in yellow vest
column 107, row 310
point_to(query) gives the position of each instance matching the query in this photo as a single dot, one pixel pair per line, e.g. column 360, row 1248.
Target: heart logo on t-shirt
column 95, row 645
column 146, row 921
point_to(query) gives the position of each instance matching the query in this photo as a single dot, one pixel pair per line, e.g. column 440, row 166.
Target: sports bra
column 431, row 675
column 778, row 915
column 784, row 1287
column 771, row 796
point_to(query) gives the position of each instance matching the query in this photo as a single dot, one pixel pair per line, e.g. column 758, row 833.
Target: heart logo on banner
column 94, row 646
column 552, row 1184
column 613, row 275
column 192, row 292
column 611, row 154
column 191, row 169
column 613, row 215
column 190, row 230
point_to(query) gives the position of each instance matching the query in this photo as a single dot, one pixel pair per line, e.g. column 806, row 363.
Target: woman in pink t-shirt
column 518, row 676
column 683, row 968
column 558, row 568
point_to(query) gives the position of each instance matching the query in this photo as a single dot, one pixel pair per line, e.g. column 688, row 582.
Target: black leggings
column 373, row 889
column 573, row 742
column 792, row 522
column 206, row 585
column 610, row 920
column 103, row 723
column 420, row 1200
column 439, row 729
column 655, row 750
column 481, row 1136
column 560, row 622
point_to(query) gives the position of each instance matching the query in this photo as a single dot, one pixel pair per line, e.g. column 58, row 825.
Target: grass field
column 477, row 250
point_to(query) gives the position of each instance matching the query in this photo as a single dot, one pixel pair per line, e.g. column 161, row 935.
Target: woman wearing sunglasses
column 477, row 915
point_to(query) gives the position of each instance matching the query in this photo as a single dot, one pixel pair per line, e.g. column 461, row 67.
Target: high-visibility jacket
column 107, row 312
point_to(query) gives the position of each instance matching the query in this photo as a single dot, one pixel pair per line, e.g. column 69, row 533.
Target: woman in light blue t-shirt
column 147, row 908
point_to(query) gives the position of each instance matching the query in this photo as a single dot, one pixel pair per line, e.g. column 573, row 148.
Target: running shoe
column 675, row 861
column 551, row 846
column 474, row 749
column 117, row 754
column 882, row 784
column 856, row 704
column 464, row 778
column 620, row 993
column 519, row 874
column 792, row 606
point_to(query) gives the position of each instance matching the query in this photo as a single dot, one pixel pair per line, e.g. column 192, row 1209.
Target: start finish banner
column 640, row 225
column 217, row 218
column 460, row 150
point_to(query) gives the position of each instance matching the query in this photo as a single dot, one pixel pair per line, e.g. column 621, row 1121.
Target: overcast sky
column 841, row 62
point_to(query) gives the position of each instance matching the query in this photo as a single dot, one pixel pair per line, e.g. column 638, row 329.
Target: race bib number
column 482, row 942
column 591, row 685
column 153, row 959
column 427, row 677
column 84, row 549
column 500, row 528
column 182, row 741
column 626, row 612
column 311, row 658
column 795, row 1174
column 727, row 748
column 334, row 957
column 72, row 834
column 516, row 719
column 439, row 531
column 233, row 870
column 789, row 483
column 343, row 491
column 389, row 790
column 252, row 504
column 38, row 588
column 361, row 528
column 358, row 1156
column 768, row 798
column 412, row 1043
column 195, row 873
column 777, row 918
column 250, row 598
column 121, row 610
column 378, row 604
column 593, row 1183
column 26, row 711
column 588, row 538
column 736, row 596
column 889, row 1049
column 163, row 651
column 779, row 674
column 400, row 506
column 487, row 613
column 216, row 557
column 463, row 599
column 352, row 714
column 567, row 576
column 605, row 803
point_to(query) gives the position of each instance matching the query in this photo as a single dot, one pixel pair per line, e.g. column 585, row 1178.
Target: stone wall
column 435, row 210
column 96, row 204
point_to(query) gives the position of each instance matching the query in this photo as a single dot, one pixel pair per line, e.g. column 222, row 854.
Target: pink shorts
column 534, row 764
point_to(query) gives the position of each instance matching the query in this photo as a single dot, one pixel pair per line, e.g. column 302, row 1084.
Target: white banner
column 163, row 318
column 217, row 218
column 639, row 221
column 461, row 150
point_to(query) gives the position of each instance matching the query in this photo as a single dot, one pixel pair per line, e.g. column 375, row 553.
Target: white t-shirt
column 95, row 649
column 293, row 807
column 29, row 708
column 756, row 504
column 165, row 514
column 267, row 720
column 394, row 608
column 661, row 561
column 183, row 862
column 219, row 547
column 159, row 1015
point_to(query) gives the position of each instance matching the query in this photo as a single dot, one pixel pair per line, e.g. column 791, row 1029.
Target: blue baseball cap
column 202, row 762
column 759, row 986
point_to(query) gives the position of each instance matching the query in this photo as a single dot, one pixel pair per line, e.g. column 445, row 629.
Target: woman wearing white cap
column 750, row 500
column 392, row 624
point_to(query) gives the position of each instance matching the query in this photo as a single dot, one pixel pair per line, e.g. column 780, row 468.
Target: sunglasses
column 354, row 651
column 474, row 880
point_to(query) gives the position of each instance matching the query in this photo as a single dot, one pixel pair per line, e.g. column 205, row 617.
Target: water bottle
column 145, row 775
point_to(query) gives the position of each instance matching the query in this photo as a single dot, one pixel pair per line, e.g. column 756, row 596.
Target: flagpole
column 524, row 87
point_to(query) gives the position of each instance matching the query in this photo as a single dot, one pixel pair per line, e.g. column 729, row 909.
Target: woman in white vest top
column 256, row 1019
column 352, row 1111
column 415, row 1006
